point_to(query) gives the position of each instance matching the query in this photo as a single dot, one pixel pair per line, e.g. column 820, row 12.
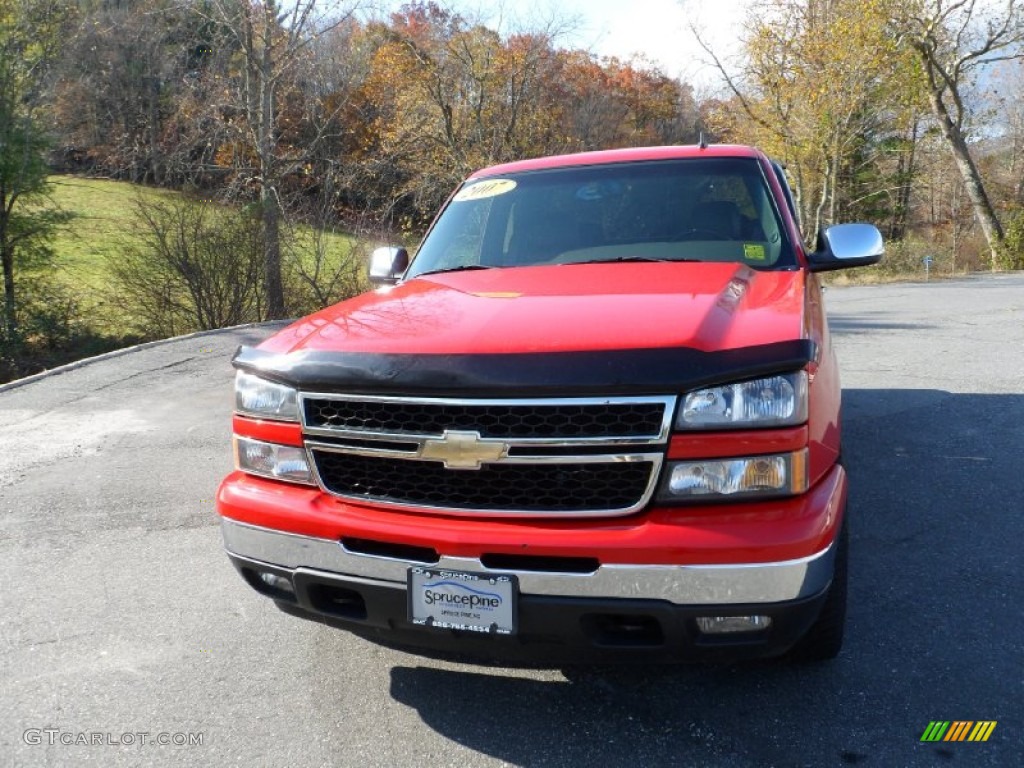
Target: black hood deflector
column 537, row 374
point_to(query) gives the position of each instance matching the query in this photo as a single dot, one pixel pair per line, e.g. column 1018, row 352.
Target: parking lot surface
column 123, row 625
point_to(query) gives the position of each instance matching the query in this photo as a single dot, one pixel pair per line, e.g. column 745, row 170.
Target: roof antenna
column 702, row 142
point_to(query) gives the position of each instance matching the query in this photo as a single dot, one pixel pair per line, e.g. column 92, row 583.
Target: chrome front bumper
column 742, row 583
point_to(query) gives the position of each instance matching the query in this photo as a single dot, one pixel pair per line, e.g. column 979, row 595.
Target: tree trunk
column 7, row 257
column 835, row 166
column 983, row 209
column 272, row 254
column 271, row 210
column 905, row 178
column 819, row 211
column 800, row 198
column 153, row 131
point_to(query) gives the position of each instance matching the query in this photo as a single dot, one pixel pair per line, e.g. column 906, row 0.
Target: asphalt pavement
column 122, row 624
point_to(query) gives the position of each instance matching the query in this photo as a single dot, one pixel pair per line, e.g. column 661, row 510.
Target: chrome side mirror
column 388, row 264
column 847, row 245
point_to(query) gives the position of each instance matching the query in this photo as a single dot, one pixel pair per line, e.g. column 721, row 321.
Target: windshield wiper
column 460, row 268
column 626, row 259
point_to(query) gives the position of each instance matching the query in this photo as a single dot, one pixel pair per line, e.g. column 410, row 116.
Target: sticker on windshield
column 484, row 189
column 753, row 252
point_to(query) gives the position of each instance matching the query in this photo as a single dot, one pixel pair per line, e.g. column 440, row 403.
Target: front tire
column 824, row 639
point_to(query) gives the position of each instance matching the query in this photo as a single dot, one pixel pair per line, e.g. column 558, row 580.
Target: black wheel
column 824, row 639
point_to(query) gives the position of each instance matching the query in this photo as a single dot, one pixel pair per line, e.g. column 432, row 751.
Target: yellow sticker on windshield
column 753, row 252
column 484, row 189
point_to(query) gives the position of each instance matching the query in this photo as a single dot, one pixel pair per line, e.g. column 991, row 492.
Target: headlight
column 782, row 474
column 280, row 462
column 258, row 397
column 774, row 401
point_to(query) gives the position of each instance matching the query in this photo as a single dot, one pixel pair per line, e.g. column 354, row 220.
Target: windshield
column 694, row 209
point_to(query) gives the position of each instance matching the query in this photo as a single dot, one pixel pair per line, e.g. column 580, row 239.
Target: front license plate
column 471, row 602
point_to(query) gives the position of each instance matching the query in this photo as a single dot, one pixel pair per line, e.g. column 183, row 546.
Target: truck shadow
column 865, row 322
column 935, row 504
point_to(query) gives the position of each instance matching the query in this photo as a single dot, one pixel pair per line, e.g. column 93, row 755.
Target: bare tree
column 329, row 266
column 197, row 267
column 272, row 37
column 954, row 39
column 1003, row 112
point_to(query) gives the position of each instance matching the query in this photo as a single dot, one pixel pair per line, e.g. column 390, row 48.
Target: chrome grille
column 500, row 487
column 520, row 421
column 539, row 457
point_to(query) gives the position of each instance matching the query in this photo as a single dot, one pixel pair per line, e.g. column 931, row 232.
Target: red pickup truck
column 595, row 418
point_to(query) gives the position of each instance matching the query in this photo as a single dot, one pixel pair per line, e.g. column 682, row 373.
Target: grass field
column 103, row 225
column 76, row 308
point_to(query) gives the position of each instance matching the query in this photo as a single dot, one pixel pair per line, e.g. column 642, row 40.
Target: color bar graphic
column 958, row 730
column 982, row 730
column 935, row 731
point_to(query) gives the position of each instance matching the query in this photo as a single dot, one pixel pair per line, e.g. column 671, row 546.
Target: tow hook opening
column 623, row 630
column 337, row 601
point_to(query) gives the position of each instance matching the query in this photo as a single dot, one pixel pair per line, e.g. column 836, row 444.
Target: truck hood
column 709, row 307
column 572, row 330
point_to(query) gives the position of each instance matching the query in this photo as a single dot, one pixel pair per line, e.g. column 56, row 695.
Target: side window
column 464, row 227
column 466, row 244
column 737, row 207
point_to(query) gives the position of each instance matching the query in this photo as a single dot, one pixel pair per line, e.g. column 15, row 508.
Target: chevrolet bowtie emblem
column 462, row 450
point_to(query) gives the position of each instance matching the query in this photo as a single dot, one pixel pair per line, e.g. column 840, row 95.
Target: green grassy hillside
column 102, row 226
column 102, row 223
column 74, row 306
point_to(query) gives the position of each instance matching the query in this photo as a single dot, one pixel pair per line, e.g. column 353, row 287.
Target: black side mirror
column 847, row 245
column 388, row 264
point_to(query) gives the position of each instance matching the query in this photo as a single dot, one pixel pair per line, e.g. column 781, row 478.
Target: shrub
column 1011, row 251
column 199, row 267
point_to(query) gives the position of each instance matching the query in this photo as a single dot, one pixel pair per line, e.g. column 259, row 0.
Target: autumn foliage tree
column 445, row 96
column 824, row 84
